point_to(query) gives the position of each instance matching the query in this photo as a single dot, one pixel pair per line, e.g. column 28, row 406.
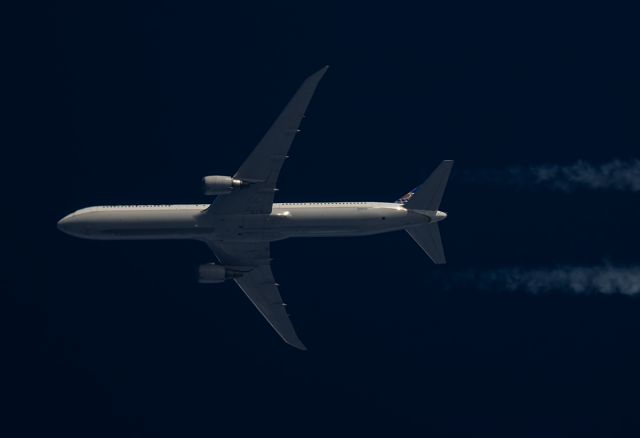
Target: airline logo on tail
column 405, row 198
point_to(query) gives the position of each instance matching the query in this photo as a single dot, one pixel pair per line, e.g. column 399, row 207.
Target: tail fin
column 428, row 195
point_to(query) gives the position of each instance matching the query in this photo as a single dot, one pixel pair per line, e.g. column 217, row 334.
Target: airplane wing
column 262, row 167
column 258, row 284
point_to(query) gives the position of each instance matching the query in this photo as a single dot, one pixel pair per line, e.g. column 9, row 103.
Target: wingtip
column 322, row 71
column 297, row 344
column 446, row 164
column 317, row 76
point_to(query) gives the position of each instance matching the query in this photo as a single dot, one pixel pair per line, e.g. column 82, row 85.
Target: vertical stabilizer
column 428, row 195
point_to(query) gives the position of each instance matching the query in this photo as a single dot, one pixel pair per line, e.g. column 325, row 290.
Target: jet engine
column 221, row 185
column 212, row 273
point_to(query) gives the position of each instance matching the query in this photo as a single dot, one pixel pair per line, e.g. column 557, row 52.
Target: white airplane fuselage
column 242, row 219
column 191, row 221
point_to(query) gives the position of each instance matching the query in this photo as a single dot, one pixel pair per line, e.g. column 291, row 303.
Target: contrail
column 614, row 175
column 573, row 279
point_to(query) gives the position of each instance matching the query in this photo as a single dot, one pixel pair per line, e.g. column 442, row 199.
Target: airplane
column 242, row 220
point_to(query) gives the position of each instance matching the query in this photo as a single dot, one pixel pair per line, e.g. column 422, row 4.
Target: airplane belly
column 335, row 221
column 141, row 224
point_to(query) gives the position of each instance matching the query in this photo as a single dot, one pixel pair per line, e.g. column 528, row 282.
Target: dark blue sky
column 134, row 103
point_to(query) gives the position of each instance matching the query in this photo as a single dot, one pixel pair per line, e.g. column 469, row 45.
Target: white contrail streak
column 618, row 175
column 573, row 279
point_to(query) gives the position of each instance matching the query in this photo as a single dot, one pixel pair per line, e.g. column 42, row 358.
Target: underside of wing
column 262, row 168
column 258, row 284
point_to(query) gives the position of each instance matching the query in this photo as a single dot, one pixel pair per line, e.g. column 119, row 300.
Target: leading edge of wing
column 277, row 140
column 261, row 294
column 262, row 167
column 258, row 284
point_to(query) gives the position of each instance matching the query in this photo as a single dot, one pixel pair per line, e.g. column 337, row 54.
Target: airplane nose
column 63, row 224
column 76, row 224
column 70, row 224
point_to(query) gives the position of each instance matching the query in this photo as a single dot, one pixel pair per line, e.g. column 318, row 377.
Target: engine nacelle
column 212, row 273
column 220, row 185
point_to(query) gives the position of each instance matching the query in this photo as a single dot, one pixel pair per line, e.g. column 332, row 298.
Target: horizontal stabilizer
column 427, row 236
